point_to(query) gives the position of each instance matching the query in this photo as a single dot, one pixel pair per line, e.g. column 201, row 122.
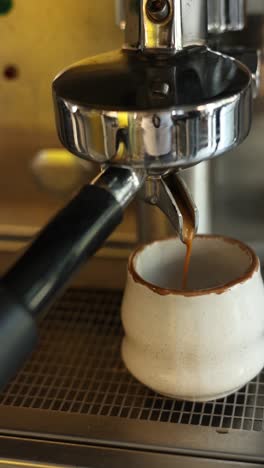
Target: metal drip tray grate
column 78, row 369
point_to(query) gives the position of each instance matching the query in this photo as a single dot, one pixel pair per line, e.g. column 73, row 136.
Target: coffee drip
column 189, row 244
column 188, row 234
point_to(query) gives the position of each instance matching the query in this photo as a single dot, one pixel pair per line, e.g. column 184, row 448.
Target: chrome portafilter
column 154, row 117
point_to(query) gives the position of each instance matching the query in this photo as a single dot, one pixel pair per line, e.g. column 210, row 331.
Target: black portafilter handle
column 73, row 236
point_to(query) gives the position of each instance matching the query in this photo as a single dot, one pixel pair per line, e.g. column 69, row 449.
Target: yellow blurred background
column 39, row 39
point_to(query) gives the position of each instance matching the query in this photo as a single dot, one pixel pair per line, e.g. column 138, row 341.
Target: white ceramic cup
column 203, row 343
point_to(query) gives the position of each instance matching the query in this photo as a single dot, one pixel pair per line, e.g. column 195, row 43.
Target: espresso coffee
column 187, row 237
column 187, row 262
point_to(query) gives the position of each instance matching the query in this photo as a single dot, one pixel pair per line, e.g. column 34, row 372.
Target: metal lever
column 172, row 196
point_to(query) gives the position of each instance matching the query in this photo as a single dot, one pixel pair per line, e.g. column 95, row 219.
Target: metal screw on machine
column 158, row 10
column 160, row 88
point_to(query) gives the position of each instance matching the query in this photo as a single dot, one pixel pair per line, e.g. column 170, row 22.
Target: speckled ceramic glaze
column 206, row 342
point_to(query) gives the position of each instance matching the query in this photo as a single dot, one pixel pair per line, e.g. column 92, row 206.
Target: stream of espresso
column 189, row 243
column 188, row 236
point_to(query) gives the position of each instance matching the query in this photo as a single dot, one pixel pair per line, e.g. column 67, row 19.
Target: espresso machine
column 174, row 97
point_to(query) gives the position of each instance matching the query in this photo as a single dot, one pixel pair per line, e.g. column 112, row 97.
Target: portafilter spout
column 172, row 196
column 163, row 103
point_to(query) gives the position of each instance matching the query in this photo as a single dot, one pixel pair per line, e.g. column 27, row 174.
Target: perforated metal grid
column 77, row 369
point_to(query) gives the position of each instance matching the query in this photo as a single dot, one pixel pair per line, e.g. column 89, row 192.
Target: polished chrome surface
column 254, row 63
column 222, row 15
column 153, row 224
column 76, row 389
column 252, row 59
column 169, row 31
column 170, row 193
column 122, row 182
column 226, row 15
column 172, row 196
column 108, row 108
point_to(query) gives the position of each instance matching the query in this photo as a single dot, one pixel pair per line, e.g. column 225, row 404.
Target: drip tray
column 76, row 388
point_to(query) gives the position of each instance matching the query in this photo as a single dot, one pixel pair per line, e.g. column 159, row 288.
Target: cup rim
column 254, row 267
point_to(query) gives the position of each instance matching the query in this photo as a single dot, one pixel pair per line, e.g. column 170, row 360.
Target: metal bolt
column 158, row 10
column 156, row 121
column 159, row 88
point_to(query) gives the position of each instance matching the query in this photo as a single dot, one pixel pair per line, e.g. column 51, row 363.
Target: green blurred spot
column 5, row 6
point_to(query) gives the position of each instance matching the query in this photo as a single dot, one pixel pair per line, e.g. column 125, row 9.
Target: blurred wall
column 40, row 38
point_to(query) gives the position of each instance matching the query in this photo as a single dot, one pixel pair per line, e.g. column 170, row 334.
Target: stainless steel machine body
column 226, row 16
column 168, row 102
column 222, row 17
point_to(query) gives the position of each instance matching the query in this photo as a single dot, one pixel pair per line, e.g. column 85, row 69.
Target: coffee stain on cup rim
column 253, row 268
